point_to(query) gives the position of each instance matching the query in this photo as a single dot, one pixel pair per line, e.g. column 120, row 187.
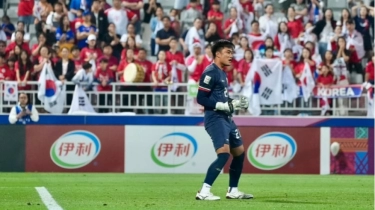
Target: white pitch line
column 47, row 199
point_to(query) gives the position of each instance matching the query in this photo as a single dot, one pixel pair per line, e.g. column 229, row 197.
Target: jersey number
column 238, row 135
column 226, row 92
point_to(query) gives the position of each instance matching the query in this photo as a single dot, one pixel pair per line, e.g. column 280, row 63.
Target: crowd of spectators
column 109, row 36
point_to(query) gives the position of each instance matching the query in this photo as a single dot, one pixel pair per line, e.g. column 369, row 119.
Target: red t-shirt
column 25, row 8
column 196, row 74
column 147, row 67
column 86, row 52
column 137, row 12
column 247, row 6
column 12, row 45
column 78, row 64
column 179, row 57
column 230, row 72
column 161, row 71
column 22, row 77
column 4, row 72
column 101, row 75
column 199, row 7
column 295, row 28
column 243, row 68
column 123, row 53
column 218, row 23
column 227, row 23
column 370, row 71
column 112, row 61
column 325, row 79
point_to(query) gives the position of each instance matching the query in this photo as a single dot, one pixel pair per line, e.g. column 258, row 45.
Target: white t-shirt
column 124, row 38
column 120, row 18
column 26, row 37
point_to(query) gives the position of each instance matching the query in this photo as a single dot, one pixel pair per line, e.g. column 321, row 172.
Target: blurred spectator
column 36, row 47
column 323, row 30
column 129, row 44
column 91, row 52
column 135, row 7
column 150, row 10
column 345, row 16
column 295, row 25
column 325, row 79
column 284, row 39
column 268, row 22
column 259, row 8
column 76, row 5
column 25, row 11
column 4, row 70
column 45, row 54
column 300, row 9
column 104, row 76
column 20, row 27
column 64, row 68
column 240, row 51
column 76, row 58
column 216, row 17
column 120, row 17
column 108, row 55
column 364, row 23
column 7, row 27
column 42, row 27
column 175, row 22
column 23, row 68
column 354, row 42
column 85, row 30
column 234, row 24
column 212, row 34
column 53, row 19
column 64, row 35
column 12, row 73
column 370, row 72
column 84, row 77
column 244, row 66
column 131, row 32
column 41, row 8
column 161, row 75
column 191, row 13
column 113, row 39
column 99, row 19
column 156, row 24
column 24, row 112
column 165, row 35
column 19, row 41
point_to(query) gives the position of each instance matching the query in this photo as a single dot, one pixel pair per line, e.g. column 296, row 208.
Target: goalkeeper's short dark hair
column 221, row 44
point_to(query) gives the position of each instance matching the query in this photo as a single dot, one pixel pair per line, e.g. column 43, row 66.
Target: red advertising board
column 75, row 148
column 281, row 150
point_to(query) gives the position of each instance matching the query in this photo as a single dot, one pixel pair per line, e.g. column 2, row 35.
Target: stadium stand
column 346, row 88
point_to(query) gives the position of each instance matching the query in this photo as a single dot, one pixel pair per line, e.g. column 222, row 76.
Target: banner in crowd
column 281, row 150
column 336, row 91
column 51, row 92
column 80, row 102
column 167, row 149
column 74, row 148
column 356, row 154
column 10, row 91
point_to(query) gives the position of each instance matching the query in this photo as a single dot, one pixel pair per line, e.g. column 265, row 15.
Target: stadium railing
column 170, row 102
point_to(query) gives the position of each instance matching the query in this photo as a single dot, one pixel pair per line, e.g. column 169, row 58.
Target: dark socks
column 235, row 170
column 216, row 167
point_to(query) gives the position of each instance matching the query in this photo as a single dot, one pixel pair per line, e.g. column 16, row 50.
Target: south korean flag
column 270, row 88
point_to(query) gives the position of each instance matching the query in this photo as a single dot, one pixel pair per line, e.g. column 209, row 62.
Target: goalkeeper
column 218, row 110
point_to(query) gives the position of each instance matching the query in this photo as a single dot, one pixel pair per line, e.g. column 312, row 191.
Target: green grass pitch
column 78, row 191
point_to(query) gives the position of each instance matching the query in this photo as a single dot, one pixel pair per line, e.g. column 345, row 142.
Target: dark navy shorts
column 223, row 131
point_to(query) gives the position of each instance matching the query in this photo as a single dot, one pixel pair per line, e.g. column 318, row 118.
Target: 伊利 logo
column 272, row 151
column 174, row 149
column 75, row 149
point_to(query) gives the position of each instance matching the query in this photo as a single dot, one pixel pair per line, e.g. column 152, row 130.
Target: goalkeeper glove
column 227, row 107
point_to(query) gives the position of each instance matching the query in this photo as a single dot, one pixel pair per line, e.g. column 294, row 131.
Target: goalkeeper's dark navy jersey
column 213, row 88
